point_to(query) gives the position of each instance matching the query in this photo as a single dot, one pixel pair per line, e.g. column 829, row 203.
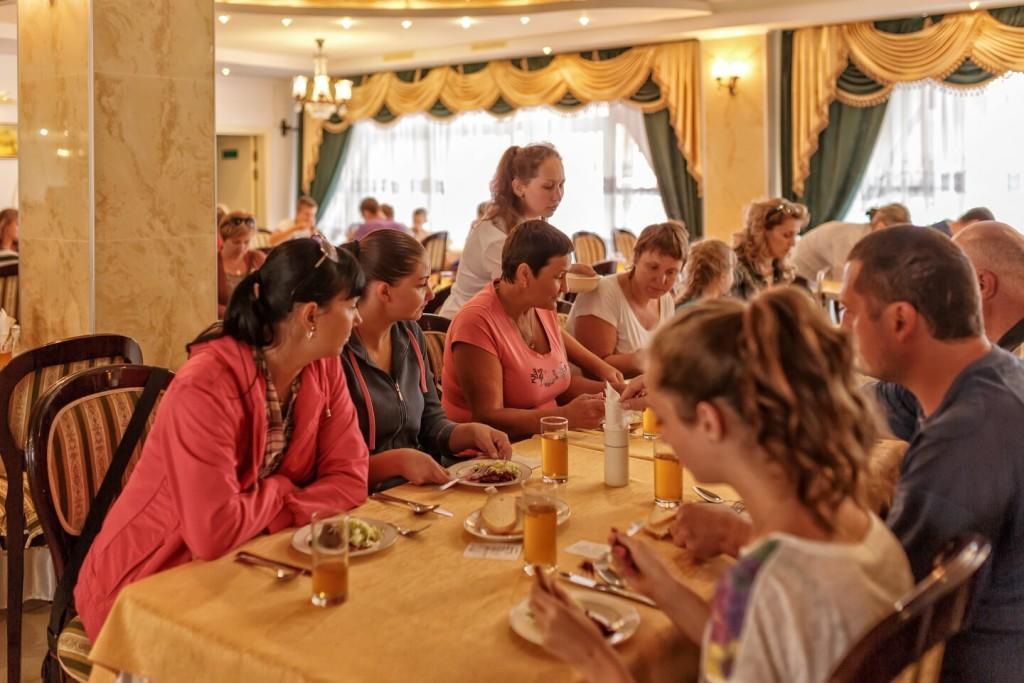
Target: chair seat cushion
column 73, row 648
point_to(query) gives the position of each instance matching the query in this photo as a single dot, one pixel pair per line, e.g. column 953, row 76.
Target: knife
column 410, row 503
column 587, row 582
column 246, row 557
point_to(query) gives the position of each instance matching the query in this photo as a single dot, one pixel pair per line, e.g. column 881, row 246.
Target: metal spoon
column 417, row 508
column 410, row 532
column 712, row 497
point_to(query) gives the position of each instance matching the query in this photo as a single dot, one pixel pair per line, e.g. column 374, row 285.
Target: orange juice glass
column 652, row 428
column 329, row 544
column 5, row 358
column 540, row 511
column 554, row 449
column 668, row 477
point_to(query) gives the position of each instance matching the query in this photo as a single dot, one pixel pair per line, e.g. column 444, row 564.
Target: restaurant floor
column 33, row 645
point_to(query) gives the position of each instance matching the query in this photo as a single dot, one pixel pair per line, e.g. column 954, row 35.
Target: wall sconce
column 728, row 74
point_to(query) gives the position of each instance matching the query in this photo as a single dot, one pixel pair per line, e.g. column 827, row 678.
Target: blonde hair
column 237, row 224
column 763, row 216
column 708, row 261
column 788, row 373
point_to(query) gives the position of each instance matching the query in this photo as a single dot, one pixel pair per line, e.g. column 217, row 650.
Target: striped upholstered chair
column 435, row 328
column 436, row 245
column 9, row 288
column 624, row 243
column 589, row 248
column 74, row 432
column 22, row 382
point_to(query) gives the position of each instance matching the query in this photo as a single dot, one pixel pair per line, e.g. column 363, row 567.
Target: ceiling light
column 974, row 5
column 225, row 71
column 44, row 132
column 346, row 23
column 524, row 20
column 286, row 22
column 546, row 50
column 324, row 100
column 63, row 153
column 406, row 24
column 584, row 20
column 224, row 18
column 465, row 22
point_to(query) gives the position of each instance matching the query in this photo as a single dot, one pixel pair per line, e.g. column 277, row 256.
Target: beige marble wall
column 143, row 262
column 736, row 134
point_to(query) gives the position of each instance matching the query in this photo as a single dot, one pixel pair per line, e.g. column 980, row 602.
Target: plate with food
column 365, row 537
column 482, row 473
column 501, row 518
column 616, row 620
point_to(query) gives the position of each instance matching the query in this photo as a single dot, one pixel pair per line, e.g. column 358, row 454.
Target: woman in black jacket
column 389, row 375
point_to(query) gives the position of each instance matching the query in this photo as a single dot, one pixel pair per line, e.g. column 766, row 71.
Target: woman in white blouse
column 616, row 320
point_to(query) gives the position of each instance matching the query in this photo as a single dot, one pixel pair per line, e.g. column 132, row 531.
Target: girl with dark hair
column 387, row 368
column 256, row 432
column 762, row 397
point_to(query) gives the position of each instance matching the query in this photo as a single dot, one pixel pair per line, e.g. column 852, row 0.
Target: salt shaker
column 616, row 456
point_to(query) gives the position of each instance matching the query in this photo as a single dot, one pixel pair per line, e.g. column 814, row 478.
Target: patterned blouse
column 749, row 280
column 280, row 419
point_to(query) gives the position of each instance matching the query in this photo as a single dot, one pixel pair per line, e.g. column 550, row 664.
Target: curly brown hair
column 788, row 373
column 708, row 261
column 762, row 217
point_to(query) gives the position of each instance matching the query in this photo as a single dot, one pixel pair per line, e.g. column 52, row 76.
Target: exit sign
column 229, row 154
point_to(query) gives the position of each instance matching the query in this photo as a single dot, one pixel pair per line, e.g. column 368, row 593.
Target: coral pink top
column 530, row 380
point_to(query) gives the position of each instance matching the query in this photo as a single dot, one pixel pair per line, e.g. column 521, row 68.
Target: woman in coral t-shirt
column 506, row 358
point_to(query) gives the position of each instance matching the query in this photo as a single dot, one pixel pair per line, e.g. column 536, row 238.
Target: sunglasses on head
column 327, row 252
column 787, row 209
column 243, row 220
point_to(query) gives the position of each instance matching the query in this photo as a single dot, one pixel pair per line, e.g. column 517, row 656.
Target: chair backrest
column 624, row 243
column 931, row 613
column 9, row 288
column 430, row 322
column 435, row 353
column 73, row 435
column 436, row 244
column 440, row 296
column 260, row 239
column 588, row 247
column 605, row 267
column 563, row 306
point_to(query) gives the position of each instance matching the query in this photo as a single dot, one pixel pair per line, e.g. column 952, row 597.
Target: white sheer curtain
column 942, row 151
column 445, row 166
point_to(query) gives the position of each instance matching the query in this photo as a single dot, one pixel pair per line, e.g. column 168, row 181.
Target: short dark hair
column 420, row 212
column 306, row 200
column 925, row 269
column 668, row 239
column 369, row 205
column 978, row 213
column 533, row 243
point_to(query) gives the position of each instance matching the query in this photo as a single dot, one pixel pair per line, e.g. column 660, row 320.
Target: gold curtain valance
column 820, row 55
column 675, row 67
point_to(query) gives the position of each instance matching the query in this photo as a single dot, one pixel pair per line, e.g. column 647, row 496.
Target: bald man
column 997, row 253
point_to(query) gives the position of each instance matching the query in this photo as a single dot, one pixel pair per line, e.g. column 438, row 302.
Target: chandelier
column 323, row 102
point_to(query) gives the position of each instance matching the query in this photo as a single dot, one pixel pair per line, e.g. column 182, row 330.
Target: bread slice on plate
column 500, row 514
column 659, row 521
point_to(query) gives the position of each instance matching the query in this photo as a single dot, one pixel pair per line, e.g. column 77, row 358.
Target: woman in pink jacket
column 256, row 432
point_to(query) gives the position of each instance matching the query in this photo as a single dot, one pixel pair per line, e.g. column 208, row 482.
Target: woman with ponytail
column 761, row 397
column 256, row 432
column 389, row 374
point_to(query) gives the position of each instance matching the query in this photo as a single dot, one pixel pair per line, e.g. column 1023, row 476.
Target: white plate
column 473, row 525
column 612, row 609
column 302, row 537
column 581, row 283
column 462, row 467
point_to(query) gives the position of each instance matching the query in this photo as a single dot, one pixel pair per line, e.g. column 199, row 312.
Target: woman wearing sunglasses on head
column 389, row 373
column 765, row 244
column 256, row 432
column 235, row 260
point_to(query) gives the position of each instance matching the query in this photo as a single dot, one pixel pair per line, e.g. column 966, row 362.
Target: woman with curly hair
column 764, row 245
column 709, row 273
column 763, row 397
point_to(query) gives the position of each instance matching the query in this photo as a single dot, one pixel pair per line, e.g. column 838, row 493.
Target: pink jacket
column 195, row 493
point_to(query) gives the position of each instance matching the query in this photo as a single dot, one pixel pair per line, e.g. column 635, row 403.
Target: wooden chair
column 624, row 242
column 588, row 247
column 261, row 239
column 605, row 267
column 435, row 330
column 440, row 296
column 430, row 322
column 436, row 245
column 73, row 434
column 22, row 382
column 929, row 615
column 9, row 289
column 563, row 308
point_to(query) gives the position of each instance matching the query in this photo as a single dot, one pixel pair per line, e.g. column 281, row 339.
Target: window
column 446, row 165
column 943, row 151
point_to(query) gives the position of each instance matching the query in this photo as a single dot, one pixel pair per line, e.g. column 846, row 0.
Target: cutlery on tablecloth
column 417, row 508
column 592, row 584
column 712, row 497
column 246, row 557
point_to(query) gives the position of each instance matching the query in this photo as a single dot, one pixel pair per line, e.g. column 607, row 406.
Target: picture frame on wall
column 8, row 140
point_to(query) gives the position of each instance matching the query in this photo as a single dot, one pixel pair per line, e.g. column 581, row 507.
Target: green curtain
column 328, row 166
column 677, row 187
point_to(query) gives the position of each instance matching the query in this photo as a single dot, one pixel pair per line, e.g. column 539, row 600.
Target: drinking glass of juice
column 329, row 544
column 668, row 476
column 554, row 452
column 652, row 428
column 540, row 511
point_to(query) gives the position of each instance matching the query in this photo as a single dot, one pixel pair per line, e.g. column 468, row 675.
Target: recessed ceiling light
column 346, row 23
column 44, row 132
column 224, row 18
column 524, row 20
column 225, row 71
column 546, row 50
column 286, row 22
column 584, row 20
column 465, row 22
column 406, row 24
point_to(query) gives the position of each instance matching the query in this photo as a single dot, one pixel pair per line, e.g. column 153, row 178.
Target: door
column 238, row 174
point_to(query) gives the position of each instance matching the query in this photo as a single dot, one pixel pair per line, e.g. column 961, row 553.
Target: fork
column 410, row 532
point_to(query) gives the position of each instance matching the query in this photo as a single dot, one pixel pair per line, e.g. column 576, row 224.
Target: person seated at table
column 709, row 272
column 506, row 358
column 373, row 220
column 616, row 320
column 764, row 245
column 300, row 227
column 528, row 184
column 951, row 228
column 391, row 382
column 235, row 260
column 255, row 434
column 762, row 397
column 8, row 236
column 996, row 251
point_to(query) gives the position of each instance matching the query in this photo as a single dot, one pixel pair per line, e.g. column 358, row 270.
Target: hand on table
column 476, row 436
column 634, row 397
column 419, row 468
column 708, row 530
column 636, row 561
column 586, row 411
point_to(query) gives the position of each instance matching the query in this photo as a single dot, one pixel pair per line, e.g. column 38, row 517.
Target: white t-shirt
column 608, row 302
column 479, row 266
column 790, row 608
column 827, row 246
column 287, row 224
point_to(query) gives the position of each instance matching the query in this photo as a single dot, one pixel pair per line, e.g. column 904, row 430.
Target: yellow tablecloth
column 417, row 611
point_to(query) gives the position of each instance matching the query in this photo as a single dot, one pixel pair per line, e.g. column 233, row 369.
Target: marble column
column 116, row 171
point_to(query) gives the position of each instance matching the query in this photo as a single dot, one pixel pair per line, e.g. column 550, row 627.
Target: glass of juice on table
column 540, row 511
column 554, row 453
column 329, row 543
column 652, row 428
column 668, row 476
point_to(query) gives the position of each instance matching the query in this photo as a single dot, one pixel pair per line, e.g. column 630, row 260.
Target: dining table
column 423, row 609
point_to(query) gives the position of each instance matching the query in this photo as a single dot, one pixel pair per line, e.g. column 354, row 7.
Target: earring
column 310, row 332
